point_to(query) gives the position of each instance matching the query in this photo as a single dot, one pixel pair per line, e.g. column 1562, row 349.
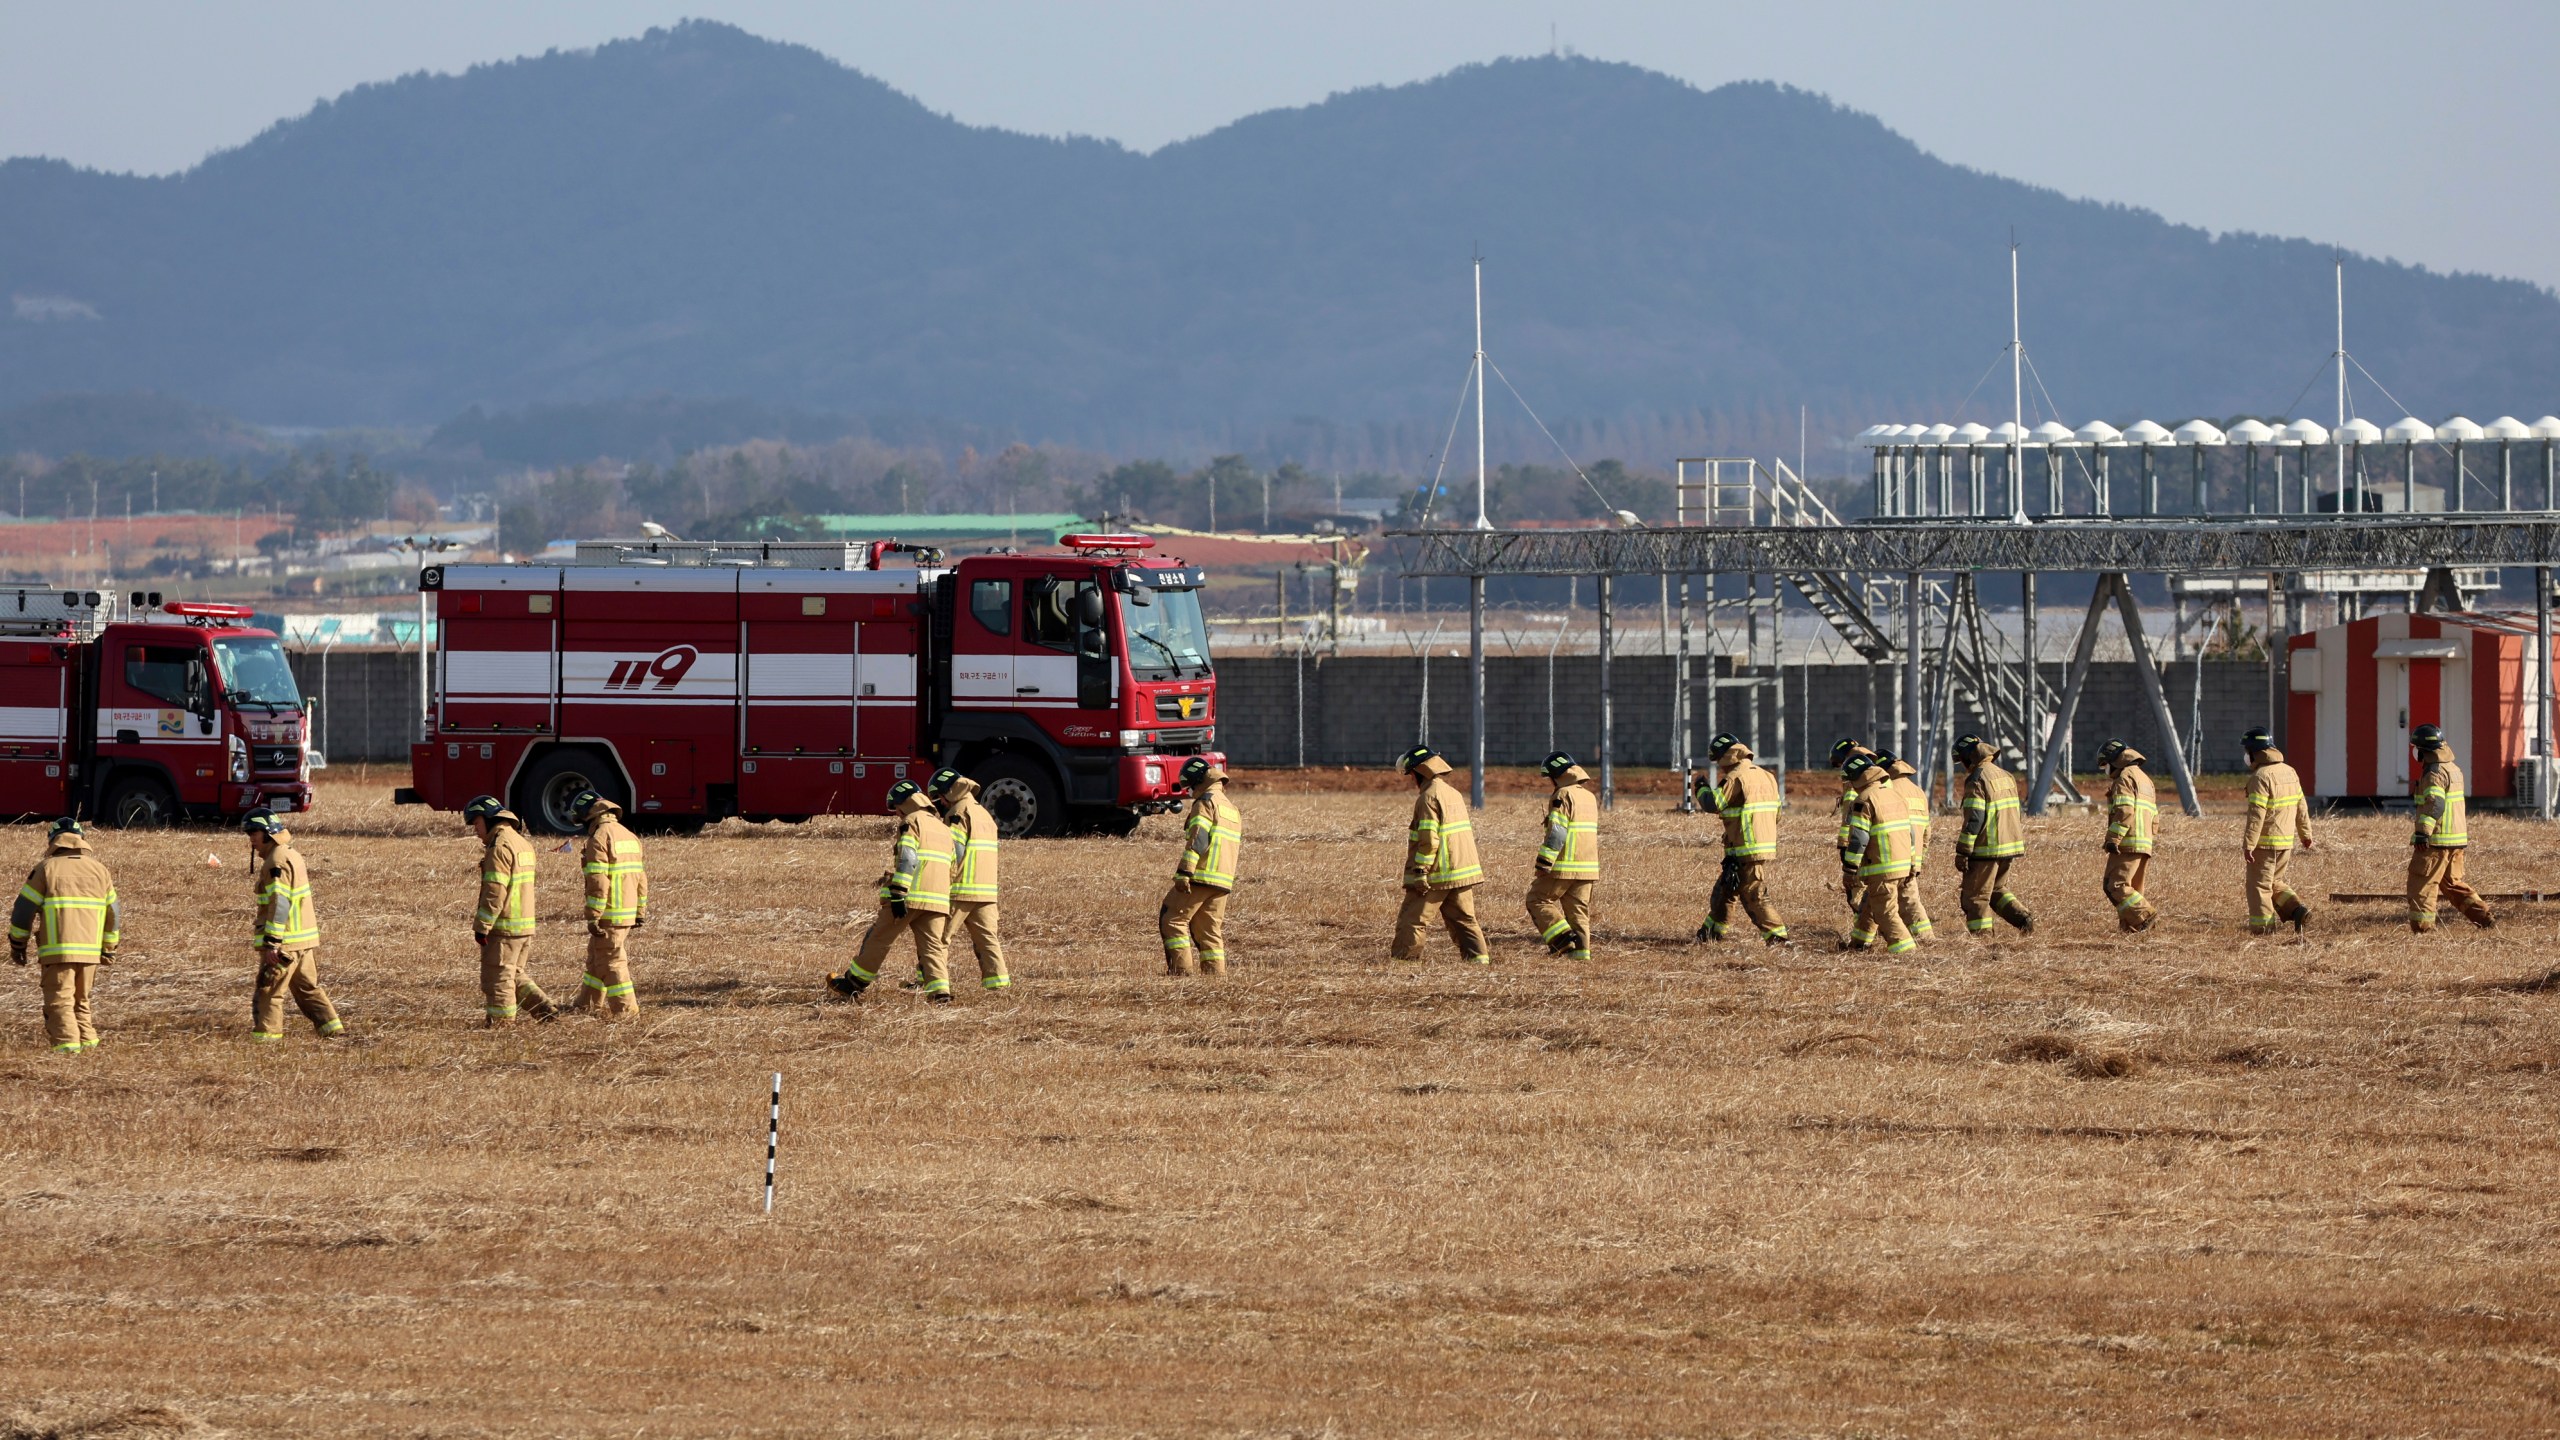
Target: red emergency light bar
column 1108, row 542
column 207, row 610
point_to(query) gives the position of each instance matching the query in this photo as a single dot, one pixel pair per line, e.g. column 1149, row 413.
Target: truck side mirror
column 1089, row 607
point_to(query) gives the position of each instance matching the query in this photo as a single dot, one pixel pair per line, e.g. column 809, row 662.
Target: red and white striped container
column 2359, row 689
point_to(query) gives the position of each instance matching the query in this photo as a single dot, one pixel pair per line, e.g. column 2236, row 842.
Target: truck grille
column 275, row 759
column 1176, row 741
column 1169, row 707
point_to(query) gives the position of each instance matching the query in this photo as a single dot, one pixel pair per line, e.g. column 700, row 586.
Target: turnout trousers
column 66, row 1005
column 2436, row 870
column 1560, row 909
column 1746, row 881
column 2123, row 884
column 1193, row 924
column 2271, row 901
column 932, row 932
column 1985, row 893
column 1880, row 916
column 607, row 984
column 506, row 990
column 295, row 973
column 1457, row 907
column 977, row 920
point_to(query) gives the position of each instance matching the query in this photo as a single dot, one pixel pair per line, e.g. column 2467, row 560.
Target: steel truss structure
column 2141, row 547
column 1836, row 567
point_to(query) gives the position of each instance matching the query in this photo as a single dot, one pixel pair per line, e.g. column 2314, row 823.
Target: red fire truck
column 689, row 681
column 183, row 711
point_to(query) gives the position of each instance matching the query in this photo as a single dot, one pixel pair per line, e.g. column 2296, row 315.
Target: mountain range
column 702, row 213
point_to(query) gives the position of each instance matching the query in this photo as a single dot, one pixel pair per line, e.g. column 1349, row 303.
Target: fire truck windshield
column 254, row 671
column 1166, row 638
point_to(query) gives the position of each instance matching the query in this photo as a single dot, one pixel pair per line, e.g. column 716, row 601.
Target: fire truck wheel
column 550, row 783
column 1022, row 797
column 140, row 802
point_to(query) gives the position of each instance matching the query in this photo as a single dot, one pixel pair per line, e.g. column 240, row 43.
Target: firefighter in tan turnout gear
column 973, row 885
column 2279, row 817
column 1852, row 889
column 1746, row 796
column 2443, row 832
column 1441, row 867
column 1879, row 844
column 1915, row 804
column 1192, row 921
column 1568, row 863
column 2133, row 818
column 617, row 904
column 68, row 910
column 286, row 934
column 502, row 923
column 915, row 898
column 1993, row 837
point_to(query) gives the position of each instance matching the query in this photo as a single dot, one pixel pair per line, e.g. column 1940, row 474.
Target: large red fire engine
column 182, row 711
column 689, row 681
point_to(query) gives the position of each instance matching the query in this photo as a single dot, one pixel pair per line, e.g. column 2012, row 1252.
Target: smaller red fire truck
column 688, row 681
column 183, row 711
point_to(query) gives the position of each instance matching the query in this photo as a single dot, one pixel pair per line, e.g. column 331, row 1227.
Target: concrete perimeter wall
column 1362, row 709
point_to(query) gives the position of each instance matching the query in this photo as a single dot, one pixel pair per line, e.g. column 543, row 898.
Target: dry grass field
column 2192, row 1183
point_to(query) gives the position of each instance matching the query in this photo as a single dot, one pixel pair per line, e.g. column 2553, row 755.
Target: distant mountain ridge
column 698, row 212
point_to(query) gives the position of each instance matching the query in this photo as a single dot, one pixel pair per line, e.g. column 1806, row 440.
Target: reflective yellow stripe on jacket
column 1213, row 838
column 75, row 926
column 1571, row 844
column 286, row 920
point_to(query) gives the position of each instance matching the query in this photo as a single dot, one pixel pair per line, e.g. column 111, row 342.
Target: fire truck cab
column 691, row 681
column 182, row 712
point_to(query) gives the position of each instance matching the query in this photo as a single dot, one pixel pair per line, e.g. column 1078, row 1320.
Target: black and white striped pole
column 772, row 1141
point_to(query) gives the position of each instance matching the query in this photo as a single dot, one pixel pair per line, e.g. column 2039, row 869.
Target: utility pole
column 1481, row 522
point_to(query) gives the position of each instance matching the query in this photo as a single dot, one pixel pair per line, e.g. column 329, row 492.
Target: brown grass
column 2189, row 1183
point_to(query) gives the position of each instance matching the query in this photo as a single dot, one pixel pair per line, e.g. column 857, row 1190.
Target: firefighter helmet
column 1841, row 751
column 2257, row 740
column 261, row 821
column 1416, row 756
column 1860, row 764
column 2428, row 737
column 2108, row 752
column 1197, row 771
column 64, row 826
column 1724, row 740
column 483, row 807
column 901, row 792
column 940, row 783
column 1555, row 764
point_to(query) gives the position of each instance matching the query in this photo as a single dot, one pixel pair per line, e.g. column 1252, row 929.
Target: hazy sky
column 2426, row 133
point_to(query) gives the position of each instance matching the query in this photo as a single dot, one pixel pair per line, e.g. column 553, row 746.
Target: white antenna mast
column 1481, row 522
column 2339, row 264
column 2017, row 397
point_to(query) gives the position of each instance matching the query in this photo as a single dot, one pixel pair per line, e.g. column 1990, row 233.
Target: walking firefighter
column 68, row 910
column 973, row 886
column 285, row 933
column 1993, row 837
column 502, row 923
column 1441, row 866
column 1879, row 844
column 1852, row 889
column 1192, row 921
column 1915, row 803
column 617, row 883
column 1568, row 863
column 2133, row 818
column 1746, row 796
column 2435, row 848
column 2279, row 816
column 915, row 898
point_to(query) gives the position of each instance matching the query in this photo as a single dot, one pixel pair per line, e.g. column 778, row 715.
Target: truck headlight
column 1155, row 775
column 238, row 749
column 1132, row 739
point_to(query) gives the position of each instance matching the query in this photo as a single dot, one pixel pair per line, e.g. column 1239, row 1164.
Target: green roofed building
column 1034, row 529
